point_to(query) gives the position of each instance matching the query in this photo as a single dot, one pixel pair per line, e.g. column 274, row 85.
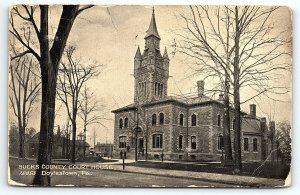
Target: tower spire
column 138, row 54
column 152, row 30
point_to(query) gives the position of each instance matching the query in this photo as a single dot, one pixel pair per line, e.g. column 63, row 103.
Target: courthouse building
column 181, row 129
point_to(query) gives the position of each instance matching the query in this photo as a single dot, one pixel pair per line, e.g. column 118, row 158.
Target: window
column 194, row 119
column 121, row 123
column 246, row 144
column 161, row 89
column 220, row 143
column 157, row 141
column 254, row 144
column 122, row 142
column 126, row 123
column 161, row 118
column 155, row 88
column 180, row 139
column 193, row 142
column 158, row 89
column 219, row 120
column 181, row 119
column 153, row 119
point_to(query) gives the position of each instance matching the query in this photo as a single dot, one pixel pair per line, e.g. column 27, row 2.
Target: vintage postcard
column 150, row 96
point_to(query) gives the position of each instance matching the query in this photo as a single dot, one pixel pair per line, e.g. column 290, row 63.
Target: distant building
column 59, row 147
column 181, row 129
column 103, row 149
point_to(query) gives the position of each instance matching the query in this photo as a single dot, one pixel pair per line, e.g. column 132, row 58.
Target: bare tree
column 49, row 58
column 91, row 112
column 24, row 88
column 73, row 74
column 240, row 48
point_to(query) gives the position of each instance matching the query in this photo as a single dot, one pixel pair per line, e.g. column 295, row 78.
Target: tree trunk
column 49, row 61
column 49, row 77
column 73, row 154
column 237, row 108
column 21, row 141
column 228, row 161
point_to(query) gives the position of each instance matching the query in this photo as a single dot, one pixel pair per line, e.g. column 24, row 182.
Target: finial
column 153, row 10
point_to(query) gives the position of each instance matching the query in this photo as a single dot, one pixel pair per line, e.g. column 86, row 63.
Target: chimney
column 253, row 110
column 272, row 128
column 263, row 123
column 200, row 86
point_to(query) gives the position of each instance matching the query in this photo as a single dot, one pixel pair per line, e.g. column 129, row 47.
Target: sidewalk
column 244, row 181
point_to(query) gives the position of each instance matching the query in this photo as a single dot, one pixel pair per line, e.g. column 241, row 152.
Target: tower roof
column 152, row 30
column 138, row 53
column 165, row 54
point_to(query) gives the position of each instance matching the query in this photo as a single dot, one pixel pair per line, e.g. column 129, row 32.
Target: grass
column 268, row 170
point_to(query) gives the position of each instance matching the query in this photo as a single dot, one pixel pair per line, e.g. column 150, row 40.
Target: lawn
column 268, row 170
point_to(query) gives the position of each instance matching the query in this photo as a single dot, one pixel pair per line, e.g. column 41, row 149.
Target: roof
column 165, row 56
column 251, row 125
column 152, row 30
column 103, row 145
column 138, row 54
column 170, row 99
column 80, row 143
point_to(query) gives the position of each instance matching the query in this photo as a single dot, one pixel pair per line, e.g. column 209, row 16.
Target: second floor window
column 126, row 123
column 194, row 120
column 153, row 119
column 121, row 123
column 161, row 118
column 181, row 119
column 219, row 120
column 254, row 144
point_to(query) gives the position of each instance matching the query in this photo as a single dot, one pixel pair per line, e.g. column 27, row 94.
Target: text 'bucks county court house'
column 181, row 129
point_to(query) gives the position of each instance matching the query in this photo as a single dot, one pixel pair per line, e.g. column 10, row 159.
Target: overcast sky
column 111, row 35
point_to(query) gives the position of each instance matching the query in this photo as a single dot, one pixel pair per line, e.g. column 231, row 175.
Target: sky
column 110, row 35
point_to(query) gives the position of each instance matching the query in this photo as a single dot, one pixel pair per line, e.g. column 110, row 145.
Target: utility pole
column 136, row 133
column 94, row 139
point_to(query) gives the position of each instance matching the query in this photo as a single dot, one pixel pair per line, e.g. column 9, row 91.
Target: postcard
column 150, row 96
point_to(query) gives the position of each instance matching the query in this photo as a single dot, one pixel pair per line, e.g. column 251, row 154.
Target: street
column 109, row 178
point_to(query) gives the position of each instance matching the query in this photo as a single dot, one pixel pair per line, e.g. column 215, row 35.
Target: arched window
column 126, row 123
column 220, row 142
column 121, row 123
column 158, row 90
column 194, row 120
column 161, row 118
column 181, row 119
column 154, row 119
column 219, row 120
column 254, row 144
column 161, row 89
column 180, row 139
column 157, row 141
